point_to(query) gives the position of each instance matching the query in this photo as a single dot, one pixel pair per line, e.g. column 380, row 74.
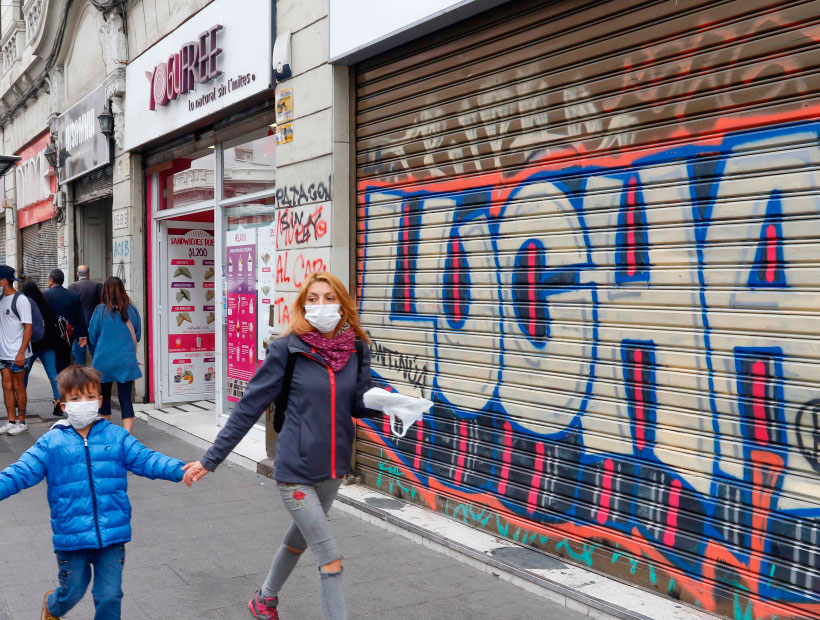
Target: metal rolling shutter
column 39, row 252
column 589, row 232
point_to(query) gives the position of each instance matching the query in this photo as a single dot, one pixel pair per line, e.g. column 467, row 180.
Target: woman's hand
column 194, row 472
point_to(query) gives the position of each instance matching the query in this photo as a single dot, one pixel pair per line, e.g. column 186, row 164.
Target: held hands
column 193, row 472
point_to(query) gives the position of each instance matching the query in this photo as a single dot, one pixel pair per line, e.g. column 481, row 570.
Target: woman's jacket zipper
column 332, row 376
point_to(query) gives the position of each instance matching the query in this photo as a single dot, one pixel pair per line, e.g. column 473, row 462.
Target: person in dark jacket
column 85, row 461
column 47, row 348
column 90, row 293
column 114, row 332
column 315, row 446
column 69, row 311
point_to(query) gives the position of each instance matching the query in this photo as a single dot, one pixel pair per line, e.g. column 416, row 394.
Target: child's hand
column 193, row 472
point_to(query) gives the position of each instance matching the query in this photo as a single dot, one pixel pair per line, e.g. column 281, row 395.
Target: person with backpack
column 68, row 308
column 114, row 332
column 322, row 365
column 15, row 351
column 46, row 339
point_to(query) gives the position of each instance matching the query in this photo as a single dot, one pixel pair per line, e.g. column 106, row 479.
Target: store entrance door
column 187, row 310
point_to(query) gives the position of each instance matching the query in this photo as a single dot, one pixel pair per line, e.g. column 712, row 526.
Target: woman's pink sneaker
column 264, row 607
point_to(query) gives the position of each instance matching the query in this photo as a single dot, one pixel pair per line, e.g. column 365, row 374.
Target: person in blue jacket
column 85, row 460
column 114, row 332
column 315, row 446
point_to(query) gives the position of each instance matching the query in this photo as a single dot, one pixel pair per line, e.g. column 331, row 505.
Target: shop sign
column 82, row 144
column 212, row 61
column 35, row 183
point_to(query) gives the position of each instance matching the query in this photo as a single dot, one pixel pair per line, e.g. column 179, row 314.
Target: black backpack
column 38, row 326
column 280, row 405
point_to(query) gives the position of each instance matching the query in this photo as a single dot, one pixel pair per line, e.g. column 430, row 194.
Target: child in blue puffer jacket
column 85, row 461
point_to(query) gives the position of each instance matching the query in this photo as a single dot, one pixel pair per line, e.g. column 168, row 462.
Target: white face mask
column 324, row 317
column 81, row 413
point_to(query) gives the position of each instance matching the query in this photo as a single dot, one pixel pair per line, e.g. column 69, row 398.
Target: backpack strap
column 280, row 405
column 14, row 305
column 359, row 356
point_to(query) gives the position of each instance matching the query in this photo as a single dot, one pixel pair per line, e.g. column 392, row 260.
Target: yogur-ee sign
column 195, row 63
column 215, row 59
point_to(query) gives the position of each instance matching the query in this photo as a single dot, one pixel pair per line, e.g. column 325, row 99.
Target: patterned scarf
column 336, row 350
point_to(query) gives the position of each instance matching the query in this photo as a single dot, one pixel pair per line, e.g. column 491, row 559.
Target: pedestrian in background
column 69, row 311
column 90, row 296
column 86, row 461
column 15, row 351
column 114, row 332
column 314, row 449
column 46, row 349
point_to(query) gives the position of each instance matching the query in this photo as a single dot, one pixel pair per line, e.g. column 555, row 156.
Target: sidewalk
column 40, row 400
column 201, row 552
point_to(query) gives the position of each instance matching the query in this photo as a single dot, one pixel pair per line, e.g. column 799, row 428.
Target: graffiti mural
column 622, row 360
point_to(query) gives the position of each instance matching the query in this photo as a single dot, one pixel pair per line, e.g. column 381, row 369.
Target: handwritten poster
column 303, row 236
column 192, row 316
column 240, row 266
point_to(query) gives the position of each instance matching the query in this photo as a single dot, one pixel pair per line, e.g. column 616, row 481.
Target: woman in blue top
column 114, row 332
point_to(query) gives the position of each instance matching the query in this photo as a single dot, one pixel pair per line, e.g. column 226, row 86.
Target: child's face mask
column 81, row 413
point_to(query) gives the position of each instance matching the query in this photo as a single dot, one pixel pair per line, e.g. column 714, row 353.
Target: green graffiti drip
column 739, row 613
column 585, row 556
column 671, row 586
column 543, row 539
column 503, row 528
column 653, row 578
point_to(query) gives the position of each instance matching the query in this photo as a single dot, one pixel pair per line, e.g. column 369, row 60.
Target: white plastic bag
column 408, row 409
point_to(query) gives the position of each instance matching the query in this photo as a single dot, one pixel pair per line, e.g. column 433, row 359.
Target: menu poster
column 240, row 274
column 266, row 284
column 191, row 369
column 192, row 316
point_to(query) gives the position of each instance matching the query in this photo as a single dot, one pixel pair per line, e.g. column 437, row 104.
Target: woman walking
column 51, row 346
column 330, row 371
column 114, row 332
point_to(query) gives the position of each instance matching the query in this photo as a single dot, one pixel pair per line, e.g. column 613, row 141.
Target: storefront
column 35, row 185
column 204, row 123
column 588, row 232
column 85, row 164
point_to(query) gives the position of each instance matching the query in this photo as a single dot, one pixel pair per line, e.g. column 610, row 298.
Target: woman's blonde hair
column 299, row 324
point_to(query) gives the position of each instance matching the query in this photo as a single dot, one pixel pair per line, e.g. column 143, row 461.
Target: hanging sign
column 35, row 183
column 83, row 147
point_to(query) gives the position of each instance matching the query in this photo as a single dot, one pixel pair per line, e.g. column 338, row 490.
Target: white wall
column 360, row 28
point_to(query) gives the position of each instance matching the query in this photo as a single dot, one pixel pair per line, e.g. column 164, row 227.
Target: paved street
column 201, row 552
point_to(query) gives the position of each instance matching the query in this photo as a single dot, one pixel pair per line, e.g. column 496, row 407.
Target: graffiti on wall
column 612, row 356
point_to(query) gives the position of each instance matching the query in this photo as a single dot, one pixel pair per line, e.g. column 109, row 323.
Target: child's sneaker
column 18, row 429
column 4, row 430
column 264, row 607
column 46, row 615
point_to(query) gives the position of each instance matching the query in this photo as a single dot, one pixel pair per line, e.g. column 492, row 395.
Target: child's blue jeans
column 75, row 575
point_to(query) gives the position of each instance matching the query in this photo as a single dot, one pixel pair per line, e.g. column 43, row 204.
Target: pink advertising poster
column 241, row 310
